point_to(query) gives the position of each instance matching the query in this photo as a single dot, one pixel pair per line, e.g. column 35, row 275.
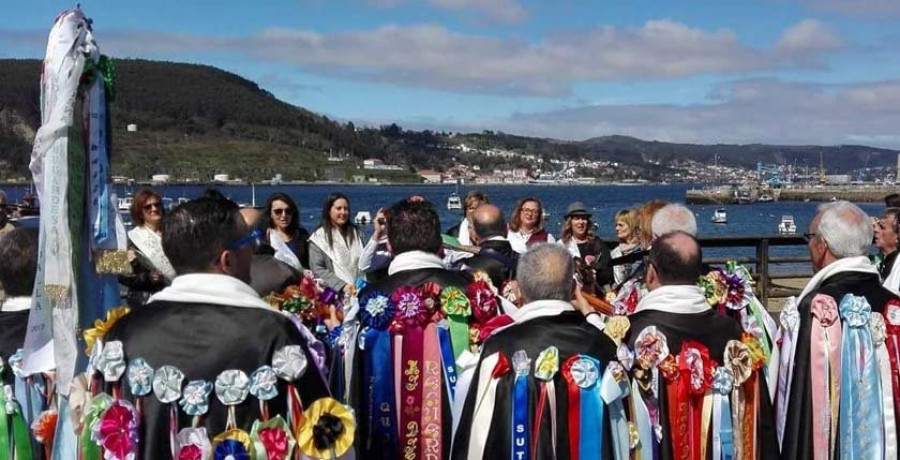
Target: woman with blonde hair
column 526, row 225
column 578, row 237
column 628, row 232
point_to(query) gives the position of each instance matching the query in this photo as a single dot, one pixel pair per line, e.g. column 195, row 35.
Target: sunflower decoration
column 327, row 431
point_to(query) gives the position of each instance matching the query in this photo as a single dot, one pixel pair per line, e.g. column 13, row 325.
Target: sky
column 821, row 72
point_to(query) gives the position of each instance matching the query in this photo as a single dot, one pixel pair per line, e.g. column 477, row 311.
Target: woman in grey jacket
column 336, row 245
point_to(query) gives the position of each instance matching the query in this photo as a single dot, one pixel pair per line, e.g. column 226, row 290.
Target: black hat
column 577, row 209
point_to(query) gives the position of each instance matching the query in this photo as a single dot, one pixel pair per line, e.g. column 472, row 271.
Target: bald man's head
column 251, row 216
column 677, row 259
column 488, row 222
column 545, row 272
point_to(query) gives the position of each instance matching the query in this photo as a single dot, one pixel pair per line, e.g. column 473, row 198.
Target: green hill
column 195, row 121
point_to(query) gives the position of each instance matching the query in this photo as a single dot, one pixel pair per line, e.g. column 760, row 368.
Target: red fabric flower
column 191, row 452
column 44, row 427
column 118, row 430
column 276, row 443
column 483, row 301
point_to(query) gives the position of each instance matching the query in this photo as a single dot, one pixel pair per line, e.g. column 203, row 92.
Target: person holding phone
column 376, row 255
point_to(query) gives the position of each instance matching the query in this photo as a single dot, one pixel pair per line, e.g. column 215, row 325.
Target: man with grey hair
column 673, row 217
column 546, row 322
column 839, row 238
column 5, row 225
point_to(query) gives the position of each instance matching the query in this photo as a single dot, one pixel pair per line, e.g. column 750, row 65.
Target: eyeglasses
column 280, row 211
column 254, row 238
column 809, row 236
column 150, row 206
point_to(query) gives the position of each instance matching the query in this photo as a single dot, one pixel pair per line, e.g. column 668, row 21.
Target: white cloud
column 746, row 111
column 496, row 10
column 431, row 56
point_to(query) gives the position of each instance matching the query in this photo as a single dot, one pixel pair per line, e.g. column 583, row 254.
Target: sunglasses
column 150, row 206
column 285, row 211
column 254, row 238
column 809, row 236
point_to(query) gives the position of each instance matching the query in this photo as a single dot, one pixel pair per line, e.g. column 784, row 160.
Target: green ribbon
column 21, row 441
column 457, row 308
column 108, row 73
column 99, row 404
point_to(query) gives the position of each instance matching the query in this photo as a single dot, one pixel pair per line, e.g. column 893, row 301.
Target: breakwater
column 855, row 193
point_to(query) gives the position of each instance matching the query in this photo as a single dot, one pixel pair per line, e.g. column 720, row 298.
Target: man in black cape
column 209, row 321
column 839, row 239
column 545, row 275
column 414, row 235
column 18, row 262
column 496, row 257
column 678, row 309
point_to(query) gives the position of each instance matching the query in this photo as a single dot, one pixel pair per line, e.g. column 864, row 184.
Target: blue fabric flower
column 112, row 361
column 140, row 377
column 377, row 310
column 231, row 450
column 195, row 398
column 264, row 383
column 723, row 381
column 232, row 387
column 855, row 310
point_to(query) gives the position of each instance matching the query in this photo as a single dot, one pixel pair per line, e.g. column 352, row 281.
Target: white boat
column 454, row 202
column 720, row 216
column 787, row 226
column 765, row 199
column 125, row 203
column 363, row 218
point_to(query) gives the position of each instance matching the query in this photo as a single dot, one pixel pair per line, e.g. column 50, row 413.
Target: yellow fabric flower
column 327, row 430
column 240, row 436
column 101, row 327
column 755, row 349
column 616, row 328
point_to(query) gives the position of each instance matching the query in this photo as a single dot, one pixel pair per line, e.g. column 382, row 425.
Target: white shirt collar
column 12, row 304
column 412, row 260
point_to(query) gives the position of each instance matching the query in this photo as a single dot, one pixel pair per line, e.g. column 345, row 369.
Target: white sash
column 859, row 264
column 282, row 251
column 893, row 280
column 484, row 407
column 344, row 258
column 149, row 243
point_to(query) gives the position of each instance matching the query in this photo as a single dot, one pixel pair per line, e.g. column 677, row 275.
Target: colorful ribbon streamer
column 519, row 435
column 582, row 374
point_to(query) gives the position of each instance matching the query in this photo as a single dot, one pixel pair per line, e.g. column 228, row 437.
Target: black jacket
column 497, row 259
column 202, row 341
column 13, row 325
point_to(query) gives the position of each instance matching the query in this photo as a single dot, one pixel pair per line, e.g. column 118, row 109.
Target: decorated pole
column 82, row 238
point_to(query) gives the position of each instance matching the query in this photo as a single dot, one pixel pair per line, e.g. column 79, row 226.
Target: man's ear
column 652, row 276
column 226, row 263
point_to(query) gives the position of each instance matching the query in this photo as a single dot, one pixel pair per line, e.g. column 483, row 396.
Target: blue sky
column 772, row 71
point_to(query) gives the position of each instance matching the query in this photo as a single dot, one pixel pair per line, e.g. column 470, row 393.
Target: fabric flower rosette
column 546, row 367
column 311, row 302
column 378, row 409
column 328, row 430
column 689, row 377
column 739, row 360
column 485, row 307
column 582, row 375
column 232, row 387
column 167, row 383
column 650, row 350
column 290, row 363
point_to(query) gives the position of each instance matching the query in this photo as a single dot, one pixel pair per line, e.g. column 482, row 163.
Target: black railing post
column 762, row 268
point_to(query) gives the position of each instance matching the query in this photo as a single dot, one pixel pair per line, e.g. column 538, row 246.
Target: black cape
column 572, row 335
column 713, row 331
column 497, row 259
column 202, row 341
column 358, row 396
column 13, row 325
column 797, row 443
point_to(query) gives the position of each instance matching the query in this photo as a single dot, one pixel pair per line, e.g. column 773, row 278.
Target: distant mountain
column 194, row 121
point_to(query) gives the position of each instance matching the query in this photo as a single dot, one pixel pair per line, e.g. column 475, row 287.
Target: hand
column 156, row 277
column 580, row 303
column 332, row 321
column 380, row 226
column 131, row 255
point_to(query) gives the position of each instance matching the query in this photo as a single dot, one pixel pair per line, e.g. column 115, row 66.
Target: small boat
column 720, row 216
column 765, row 199
column 363, row 218
column 454, row 202
column 125, row 203
column 787, row 226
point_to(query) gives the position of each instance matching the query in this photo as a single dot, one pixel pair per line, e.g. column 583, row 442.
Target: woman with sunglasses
column 284, row 230
column 150, row 266
column 336, row 245
column 526, row 225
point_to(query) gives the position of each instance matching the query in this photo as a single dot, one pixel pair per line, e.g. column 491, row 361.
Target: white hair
column 674, row 217
column 545, row 272
column 845, row 228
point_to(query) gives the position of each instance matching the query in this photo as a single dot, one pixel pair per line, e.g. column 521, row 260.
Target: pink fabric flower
column 118, row 431
column 276, row 443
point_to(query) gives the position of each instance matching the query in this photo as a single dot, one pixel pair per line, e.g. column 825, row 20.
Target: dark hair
column 348, row 230
column 137, row 205
column 892, row 211
column 515, row 220
column 18, row 251
column 212, row 193
column 293, row 227
column 490, row 228
column 414, row 227
column 198, row 231
column 892, row 200
column 674, row 266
